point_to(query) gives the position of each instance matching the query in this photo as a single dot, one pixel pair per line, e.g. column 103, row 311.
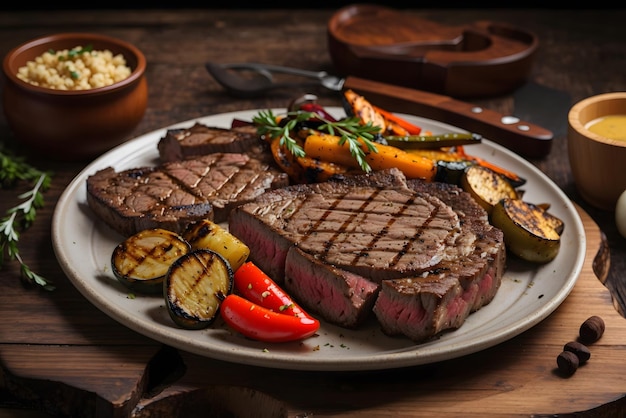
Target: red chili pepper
column 402, row 123
column 319, row 109
column 259, row 323
column 256, row 286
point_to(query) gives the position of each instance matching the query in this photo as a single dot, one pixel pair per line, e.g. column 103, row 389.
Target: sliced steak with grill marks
column 174, row 194
column 372, row 225
column 200, row 139
column 343, row 248
column 143, row 198
column 442, row 298
column 339, row 296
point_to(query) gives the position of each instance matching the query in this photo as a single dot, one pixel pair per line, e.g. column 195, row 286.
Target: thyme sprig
column 20, row 217
column 350, row 130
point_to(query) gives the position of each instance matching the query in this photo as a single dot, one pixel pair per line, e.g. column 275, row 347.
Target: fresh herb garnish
column 79, row 51
column 350, row 130
column 21, row 217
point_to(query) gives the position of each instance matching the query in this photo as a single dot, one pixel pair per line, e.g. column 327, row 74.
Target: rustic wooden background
column 582, row 52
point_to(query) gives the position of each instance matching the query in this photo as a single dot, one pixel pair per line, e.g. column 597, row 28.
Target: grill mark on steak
column 417, row 236
column 200, row 139
column 301, row 214
column 143, row 198
column 224, row 179
column 375, row 237
column 441, row 299
column 446, row 259
column 343, row 228
column 174, row 194
column 309, row 221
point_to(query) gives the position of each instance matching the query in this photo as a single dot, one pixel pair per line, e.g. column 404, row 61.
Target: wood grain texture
column 516, row 378
column 386, row 44
column 55, row 343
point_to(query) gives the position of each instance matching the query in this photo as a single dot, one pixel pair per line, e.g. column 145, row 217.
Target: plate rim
column 272, row 359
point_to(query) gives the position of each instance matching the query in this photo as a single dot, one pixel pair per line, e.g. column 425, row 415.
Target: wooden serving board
column 397, row 46
column 61, row 354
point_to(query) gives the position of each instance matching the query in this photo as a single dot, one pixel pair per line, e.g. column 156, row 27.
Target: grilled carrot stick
column 328, row 148
column 509, row 174
column 393, row 119
column 286, row 160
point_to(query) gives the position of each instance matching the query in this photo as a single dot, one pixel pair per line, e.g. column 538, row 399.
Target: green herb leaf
column 12, row 170
column 350, row 130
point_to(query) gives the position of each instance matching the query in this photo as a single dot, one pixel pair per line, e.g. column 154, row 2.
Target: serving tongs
column 517, row 135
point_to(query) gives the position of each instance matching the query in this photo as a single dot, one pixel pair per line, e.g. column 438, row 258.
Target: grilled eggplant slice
column 195, row 286
column 530, row 232
column 142, row 261
column 206, row 234
column 486, row 186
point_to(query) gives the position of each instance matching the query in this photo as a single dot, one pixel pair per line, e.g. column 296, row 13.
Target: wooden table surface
column 61, row 356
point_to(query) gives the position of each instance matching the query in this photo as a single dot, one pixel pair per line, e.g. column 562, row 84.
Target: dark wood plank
column 118, row 380
column 47, row 338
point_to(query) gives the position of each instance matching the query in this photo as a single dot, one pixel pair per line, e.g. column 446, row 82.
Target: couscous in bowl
column 71, row 122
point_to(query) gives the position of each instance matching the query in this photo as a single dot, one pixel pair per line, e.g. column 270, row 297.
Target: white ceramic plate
column 528, row 294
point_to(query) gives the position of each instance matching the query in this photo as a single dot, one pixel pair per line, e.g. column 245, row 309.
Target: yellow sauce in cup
column 610, row 126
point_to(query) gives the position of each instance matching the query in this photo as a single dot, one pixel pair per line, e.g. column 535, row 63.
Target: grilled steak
column 441, row 298
column 174, row 194
column 420, row 256
column 339, row 296
column 199, row 139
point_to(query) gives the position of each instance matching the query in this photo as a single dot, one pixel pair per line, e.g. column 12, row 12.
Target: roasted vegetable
column 357, row 106
column 329, row 148
column 142, row 261
column 530, row 232
column 513, row 178
column 195, row 286
column 451, row 139
column 287, row 131
column 208, row 235
column 286, row 160
column 256, row 286
column 457, row 154
column 396, row 124
column 451, row 171
column 259, row 323
column 390, row 124
column 316, row 170
column 486, row 186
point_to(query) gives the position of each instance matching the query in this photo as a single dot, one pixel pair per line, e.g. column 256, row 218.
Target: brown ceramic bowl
column 597, row 161
column 73, row 125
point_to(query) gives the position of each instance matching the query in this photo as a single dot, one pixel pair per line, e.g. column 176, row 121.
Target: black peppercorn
column 591, row 330
column 567, row 362
column 581, row 350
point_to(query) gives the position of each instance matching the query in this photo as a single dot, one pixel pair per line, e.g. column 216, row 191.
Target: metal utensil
column 517, row 135
column 229, row 77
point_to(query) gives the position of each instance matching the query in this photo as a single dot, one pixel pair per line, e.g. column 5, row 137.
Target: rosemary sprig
column 22, row 216
column 350, row 130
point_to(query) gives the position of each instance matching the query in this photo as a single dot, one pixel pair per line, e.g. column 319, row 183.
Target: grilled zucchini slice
column 424, row 142
column 530, row 232
column 206, row 234
column 142, row 261
column 195, row 286
column 486, row 186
